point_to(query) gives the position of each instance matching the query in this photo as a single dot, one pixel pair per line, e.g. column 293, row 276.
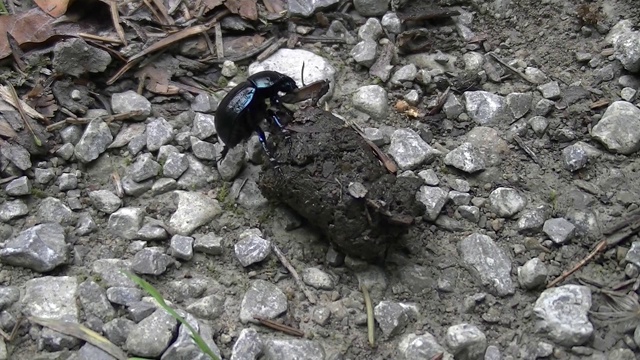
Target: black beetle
column 244, row 107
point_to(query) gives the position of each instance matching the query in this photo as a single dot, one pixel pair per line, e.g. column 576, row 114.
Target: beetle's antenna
column 302, row 75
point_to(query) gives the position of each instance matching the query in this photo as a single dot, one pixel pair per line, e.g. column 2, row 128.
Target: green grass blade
column 158, row 298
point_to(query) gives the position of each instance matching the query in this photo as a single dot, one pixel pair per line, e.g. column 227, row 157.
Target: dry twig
column 294, row 273
column 278, row 326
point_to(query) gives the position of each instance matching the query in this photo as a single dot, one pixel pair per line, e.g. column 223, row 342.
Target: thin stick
column 294, row 273
column 602, row 245
column 219, row 42
column 514, row 70
column 16, row 100
column 115, row 17
column 278, row 326
column 370, row 320
column 99, row 38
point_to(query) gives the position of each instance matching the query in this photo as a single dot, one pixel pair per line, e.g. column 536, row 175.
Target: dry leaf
column 35, row 27
column 6, row 130
column 211, row 4
column 275, row 6
column 55, row 8
column 247, row 9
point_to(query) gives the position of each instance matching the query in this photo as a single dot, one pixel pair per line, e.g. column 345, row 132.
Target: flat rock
column 194, row 210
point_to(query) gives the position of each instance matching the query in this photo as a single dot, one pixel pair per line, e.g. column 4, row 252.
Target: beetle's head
column 287, row 85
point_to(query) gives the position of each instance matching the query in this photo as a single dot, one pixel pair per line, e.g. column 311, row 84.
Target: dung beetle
column 244, row 107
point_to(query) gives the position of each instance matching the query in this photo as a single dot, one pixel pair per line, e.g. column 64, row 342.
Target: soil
column 316, row 165
column 544, row 34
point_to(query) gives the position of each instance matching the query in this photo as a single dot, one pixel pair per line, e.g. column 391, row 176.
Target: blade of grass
column 160, row 300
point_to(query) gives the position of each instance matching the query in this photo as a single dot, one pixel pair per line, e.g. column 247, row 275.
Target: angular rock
column 519, row 104
column 423, row 346
column 18, row 155
column 248, row 345
column 434, row 199
column 151, row 336
column 208, row 244
column 194, row 210
column 364, row 53
column 159, row 132
column 488, row 262
column 94, row 141
column 126, row 222
column 41, row 248
column 619, row 128
column 18, row 187
column 550, row 90
column 123, row 295
column 372, row 29
column 144, row 168
column 490, row 143
column 404, row 74
column 203, row 126
column 181, row 247
column 13, row 209
column 127, row 133
column 105, row 201
column 484, row 107
column 391, row 22
column 532, row 220
column 392, row 317
column 67, row 182
column 574, row 158
column 409, row 150
column 262, row 299
column 251, row 247
column 371, row 100
column 466, row 341
column 54, row 211
column 93, row 299
column 129, row 101
column 306, row 8
column 507, row 202
column 465, row 157
column 293, row 350
column 559, row 230
column 532, row 274
column 184, row 347
column 318, row 279
column 175, row 165
column 151, row 261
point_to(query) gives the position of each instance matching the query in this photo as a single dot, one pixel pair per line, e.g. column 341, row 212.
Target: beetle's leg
column 223, row 153
column 276, row 120
column 263, row 142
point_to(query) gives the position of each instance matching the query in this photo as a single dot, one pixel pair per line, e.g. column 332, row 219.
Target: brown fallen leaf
column 55, row 8
column 275, row 6
column 211, row 4
column 247, row 9
column 34, row 27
